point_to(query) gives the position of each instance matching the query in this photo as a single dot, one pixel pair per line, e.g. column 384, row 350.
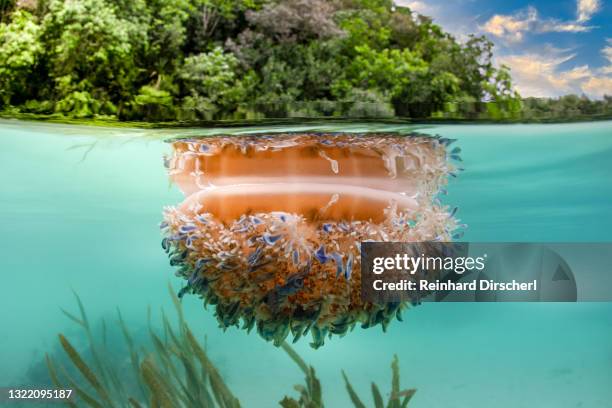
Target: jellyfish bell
column 386, row 162
column 331, row 202
column 270, row 228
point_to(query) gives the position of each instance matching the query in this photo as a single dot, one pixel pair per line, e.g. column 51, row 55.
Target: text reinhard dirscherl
column 403, row 263
column 425, row 285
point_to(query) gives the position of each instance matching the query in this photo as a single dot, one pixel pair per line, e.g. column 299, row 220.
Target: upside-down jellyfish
column 270, row 228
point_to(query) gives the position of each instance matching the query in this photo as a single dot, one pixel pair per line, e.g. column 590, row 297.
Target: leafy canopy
column 230, row 59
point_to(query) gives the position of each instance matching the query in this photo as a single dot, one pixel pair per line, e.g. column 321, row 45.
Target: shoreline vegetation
column 153, row 63
column 116, row 123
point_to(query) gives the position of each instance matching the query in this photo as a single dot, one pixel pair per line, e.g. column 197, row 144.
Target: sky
column 553, row 47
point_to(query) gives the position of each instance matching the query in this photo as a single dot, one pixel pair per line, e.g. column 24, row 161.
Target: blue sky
column 553, row 47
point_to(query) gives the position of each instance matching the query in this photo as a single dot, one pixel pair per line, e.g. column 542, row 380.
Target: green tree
column 212, row 59
column 90, row 55
column 212, row 85
column 6, row 7
column 20, row 50
column 214, row 21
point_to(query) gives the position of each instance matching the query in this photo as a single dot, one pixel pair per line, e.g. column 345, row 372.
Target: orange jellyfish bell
column 270, row 228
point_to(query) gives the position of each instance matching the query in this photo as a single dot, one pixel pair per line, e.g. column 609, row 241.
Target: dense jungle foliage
column 183, row 60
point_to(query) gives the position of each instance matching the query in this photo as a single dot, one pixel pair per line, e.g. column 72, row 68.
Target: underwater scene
column 220, row 267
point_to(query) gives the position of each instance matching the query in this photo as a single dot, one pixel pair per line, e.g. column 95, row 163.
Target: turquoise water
column 80, row 208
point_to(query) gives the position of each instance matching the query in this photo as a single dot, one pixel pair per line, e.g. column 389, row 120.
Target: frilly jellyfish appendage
column 270, row 229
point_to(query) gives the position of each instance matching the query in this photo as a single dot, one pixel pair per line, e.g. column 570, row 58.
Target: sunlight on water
column 80, row 211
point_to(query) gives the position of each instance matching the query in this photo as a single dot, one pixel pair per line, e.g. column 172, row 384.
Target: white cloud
column 417, row 6
column 607, row 53
column 586, row 9
column 453, row 17
column 597, row 87
column 607, row 50
column 561, row 26
column 537, row 75
column 513, row 27
column 542, row 75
